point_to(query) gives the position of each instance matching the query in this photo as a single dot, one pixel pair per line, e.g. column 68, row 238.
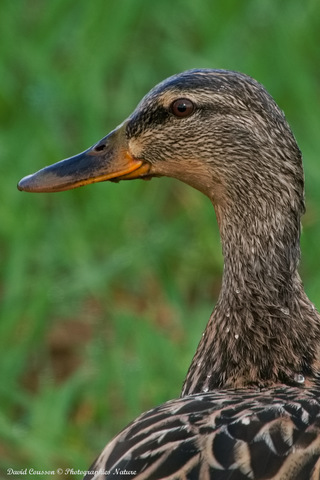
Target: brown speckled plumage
column 250, row 406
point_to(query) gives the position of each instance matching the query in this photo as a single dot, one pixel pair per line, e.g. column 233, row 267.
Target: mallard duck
column 250, row 406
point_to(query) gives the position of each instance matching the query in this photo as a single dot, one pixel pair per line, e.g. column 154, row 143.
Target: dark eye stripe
column 145, row 119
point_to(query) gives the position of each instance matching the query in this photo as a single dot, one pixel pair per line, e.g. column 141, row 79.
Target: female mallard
column 250, row 405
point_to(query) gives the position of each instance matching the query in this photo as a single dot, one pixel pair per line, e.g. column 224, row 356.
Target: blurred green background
column 105, row 290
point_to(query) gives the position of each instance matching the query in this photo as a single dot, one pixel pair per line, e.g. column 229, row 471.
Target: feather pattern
column 223, row 435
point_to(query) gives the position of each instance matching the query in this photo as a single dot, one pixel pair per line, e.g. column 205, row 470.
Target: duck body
column 223, row 435
column 249, row 407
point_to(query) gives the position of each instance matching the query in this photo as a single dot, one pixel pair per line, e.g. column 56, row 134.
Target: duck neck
column 263, row 331
column 261, row 257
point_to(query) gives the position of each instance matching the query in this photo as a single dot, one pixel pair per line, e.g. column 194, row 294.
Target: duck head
column 218, row 131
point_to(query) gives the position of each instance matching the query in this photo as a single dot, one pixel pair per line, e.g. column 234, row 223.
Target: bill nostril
column 99, row 148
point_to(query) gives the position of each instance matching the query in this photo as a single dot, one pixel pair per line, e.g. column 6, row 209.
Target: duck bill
column 109, row 159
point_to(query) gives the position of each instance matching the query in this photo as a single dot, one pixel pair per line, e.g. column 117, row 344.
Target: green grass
column 105, row 290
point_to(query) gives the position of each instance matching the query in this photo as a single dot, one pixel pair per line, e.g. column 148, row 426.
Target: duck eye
column 182, row 107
